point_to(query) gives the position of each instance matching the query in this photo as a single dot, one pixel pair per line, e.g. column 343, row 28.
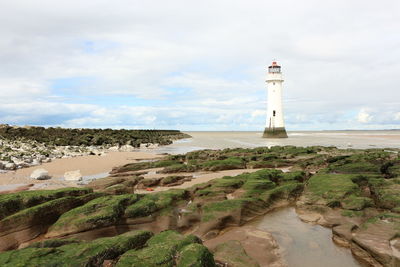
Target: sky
column 199, row 65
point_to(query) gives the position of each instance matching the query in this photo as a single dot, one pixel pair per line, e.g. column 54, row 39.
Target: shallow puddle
column 304, row 244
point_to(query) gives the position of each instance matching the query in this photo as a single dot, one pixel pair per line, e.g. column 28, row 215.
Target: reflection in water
column 304, row 244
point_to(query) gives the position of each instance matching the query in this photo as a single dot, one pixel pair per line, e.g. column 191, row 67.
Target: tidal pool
column 303, row 244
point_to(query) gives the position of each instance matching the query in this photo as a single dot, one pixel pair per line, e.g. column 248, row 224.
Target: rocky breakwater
column 30, row 146
column 17, row 154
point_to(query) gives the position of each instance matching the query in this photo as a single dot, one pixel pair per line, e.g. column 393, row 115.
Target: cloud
column 198, row 65
column 363, row 116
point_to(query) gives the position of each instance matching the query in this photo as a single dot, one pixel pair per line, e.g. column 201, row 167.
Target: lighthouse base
column 279, row 132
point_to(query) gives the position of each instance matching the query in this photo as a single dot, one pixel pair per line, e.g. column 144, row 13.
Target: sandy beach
column 88, row 165
column 99, row 166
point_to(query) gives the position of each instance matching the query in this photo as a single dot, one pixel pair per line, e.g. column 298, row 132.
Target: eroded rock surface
column 355, row 192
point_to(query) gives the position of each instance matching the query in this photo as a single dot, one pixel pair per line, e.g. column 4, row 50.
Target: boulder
column 73, row 176
column 35, row 162
column 40, row 174
column 114, row 148
column 10, row 166
column 21, row 164
column 127, row 148
column 46, row 160
column 1, row 166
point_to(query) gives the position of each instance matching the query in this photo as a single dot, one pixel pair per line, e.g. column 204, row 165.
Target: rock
column 224, row 251
column 1, row 165
column 114, row 148
column 127, row 148
column 148, row 146
column 40, row 174
column 143, row 146
column 73, row 176
column 35, row 162
column 10, row 166
column 46, row 160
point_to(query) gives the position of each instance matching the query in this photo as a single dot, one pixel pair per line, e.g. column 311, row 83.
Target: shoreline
column 88, row 165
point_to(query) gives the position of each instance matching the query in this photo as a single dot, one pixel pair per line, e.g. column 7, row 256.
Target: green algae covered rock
column 74, row 254
column 100, row 212
column 168, row 249
column 285, row 191
column 225, row 164
column 329, row 188
column 232, row 253
column 195, row 255
column 151, row 203
column 12, row 203
column 386, row 192
column 42, row 214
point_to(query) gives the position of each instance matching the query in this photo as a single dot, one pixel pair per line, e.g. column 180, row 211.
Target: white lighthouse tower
column 275, row 126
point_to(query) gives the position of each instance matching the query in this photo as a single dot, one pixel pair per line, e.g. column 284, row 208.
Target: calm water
column 341, row 139
column 304, row 244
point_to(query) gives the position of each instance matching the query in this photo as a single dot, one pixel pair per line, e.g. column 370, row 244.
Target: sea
column 341, row 139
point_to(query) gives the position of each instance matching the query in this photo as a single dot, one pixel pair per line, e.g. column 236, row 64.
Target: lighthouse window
column 273, row 113
column 273, row 83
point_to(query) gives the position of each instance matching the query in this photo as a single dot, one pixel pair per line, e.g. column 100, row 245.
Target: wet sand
column 340, row 139
column 88, row 165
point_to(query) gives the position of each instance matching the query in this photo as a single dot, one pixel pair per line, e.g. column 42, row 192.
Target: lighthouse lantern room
column 275, row 126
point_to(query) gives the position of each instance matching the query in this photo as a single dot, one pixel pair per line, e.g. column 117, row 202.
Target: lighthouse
column 275, row 126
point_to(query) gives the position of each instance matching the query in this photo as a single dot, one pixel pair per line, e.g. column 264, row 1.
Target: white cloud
column 363, row 116
column 199, row 62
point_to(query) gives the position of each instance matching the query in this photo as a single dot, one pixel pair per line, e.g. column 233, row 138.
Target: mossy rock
column 149, row 182
column 214, row 210
column 356, row 168
column 42, row 214
column 228, row 182
column 254, row 188
column 352, row 213
column 384, row 218
column 356, row 203
column 119, row 189
column 54, row 243
column 166, row 249
column 104, row 184
column 100, row 212
column 299, row 176
column 171, row 179
column 132, row 167
column 75, row 254
column 328, row 188
column 261, row 164
column 179, row 168
column 226, row 164
column 387, row 195
column 155, row 202
column 195, row 255
column 12, row 203
column 285, row 191
column 233, row 254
